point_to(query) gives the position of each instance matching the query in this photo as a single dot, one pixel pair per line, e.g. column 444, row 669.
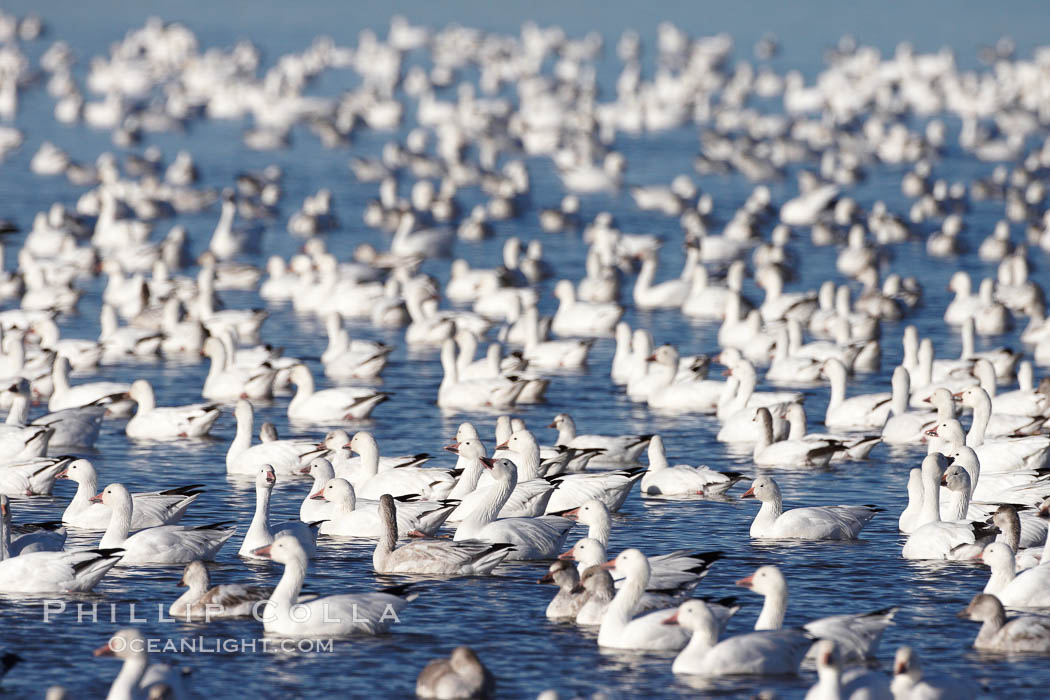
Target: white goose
column 461, row 675
column 770, row 652
column 327, row 617
column 287, row 457
column 473, row 394
column 909, row 681
column 329, row 405
column 25, row 538
column 662, row 479
column 571, row 490
column 675, row 572
column 582, row 318
column 167, row 422
column 431, row 556
column 862, row 412
column 905, row 427
column 66, row 396
column 165, row 544
column 620, row 629
column 402, row 479
column 857, row 636
column 204, row 602
column 348, row 518
column 787, row 453
column 533, row 538
column 670, row 294
column 32, row 477
column 812, row 523
column 151, row 509
column 529, row 497
column 138, row 678
column 227, row 382
column 1027, row 589
column 616, row 450
column 834, row 684
column 934, row 538
column 261, row 533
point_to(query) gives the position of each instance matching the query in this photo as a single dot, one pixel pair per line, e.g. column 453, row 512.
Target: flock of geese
column 979, row 494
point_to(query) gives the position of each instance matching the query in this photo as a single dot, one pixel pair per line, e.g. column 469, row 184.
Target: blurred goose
column 833, row 682
column 909, row 680
column 66, row 396
column 582, row 318
column 138, row 678
column 461, row 675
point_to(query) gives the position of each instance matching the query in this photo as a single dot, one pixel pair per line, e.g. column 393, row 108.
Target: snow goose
column 571, row 490
column 552, row 354
column 129, row 341
column 409, row 240
column 616, row 450
column 667, row 388
column 787, row 453
column 347, row 358
column 847, row 447
column 244, row 323
column 711, row 302
column 778, row 305
column 812, row 523
column 165, row 544
column 1029, row 452
column 904, row 427
column 402, row 479
column 582, row 318
column 472, row 394
column 674, row 572
column 1026, row 403
column 138, row 678
column 909, row 518
column 1022, row 634
column 834, row 684
column 964, row 305
column 662, row 479
column 32, row 477
column 785, row 368
column 739, row 402
column 529, row 497
column 533, row 538
column 204, row 602
column 28, row 537
column 260, row 532
column 66, row 396
column 151, row 509
column 670, row 294
column 73, row 427
column 54, row 572
column 934, row 538
column 1028, row 589
column 862, row 412
column 337, row 616
column 620, row 629
column 227, row 382
column 1023, row 486
column 287, row 457
column 356, row 469
column 429, row 555
column 461, row 675
column 348, row 518
column 909, row 681
column 81, row 354
column 167, row 422
column 227, row 241
column 857, row 636
column 756, row 653
column 329, row 405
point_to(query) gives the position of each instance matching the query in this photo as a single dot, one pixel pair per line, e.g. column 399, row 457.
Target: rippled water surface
column 502, row 616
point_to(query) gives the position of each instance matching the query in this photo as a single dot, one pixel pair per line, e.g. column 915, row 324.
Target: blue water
column 502, row 616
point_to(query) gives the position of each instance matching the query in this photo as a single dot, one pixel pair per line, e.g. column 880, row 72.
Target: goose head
column 562, row 573
column 466, row 431
column 906, row 663
column 592, row 512
column 125, row 644
column 767, row 580
column 286, row 549
column 116, row 496
column 339, row 491
column 320, row 469
column 596, row 581
column 266, row 478
column 79, row 470
column 692, row 615
column 764, row 488
column 983, row 607
column 630, row 563
column 195, row 576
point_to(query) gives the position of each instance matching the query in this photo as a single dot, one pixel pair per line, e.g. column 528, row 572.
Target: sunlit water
column 500, row 616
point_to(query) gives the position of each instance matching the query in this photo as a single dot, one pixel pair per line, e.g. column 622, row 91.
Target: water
column 502, row 616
